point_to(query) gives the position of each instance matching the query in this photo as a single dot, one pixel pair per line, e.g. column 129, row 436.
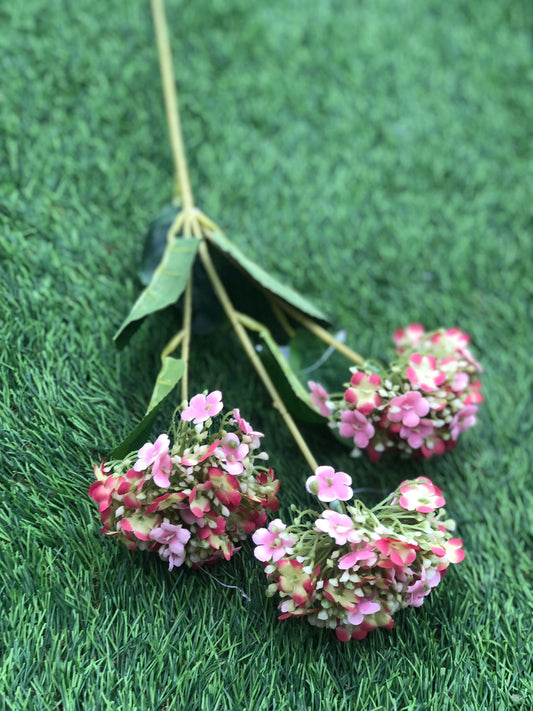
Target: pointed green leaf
column 167, row 379
column 167, row 284
column 292, row 392
column 265, row 280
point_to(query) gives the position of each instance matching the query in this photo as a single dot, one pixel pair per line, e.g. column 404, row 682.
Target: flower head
column 351, row 572
column 216, row 489
column 272, row 543
column 423, row 372
column 408, row 408
column 202, row 407
column 329, row 485
column 232, row 453
column 355, row 425
column 363, row 392
column 420, row 406
column 463, row 420
column 421, row 495
column 319, row 398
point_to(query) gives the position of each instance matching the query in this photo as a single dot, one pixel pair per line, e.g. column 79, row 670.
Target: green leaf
column 167, row 284
column 292, row 392
column 311, row 359
column 156, row 241
column 167, row 379
column 265, row 280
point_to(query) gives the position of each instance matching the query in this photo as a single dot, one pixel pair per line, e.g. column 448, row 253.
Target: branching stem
column 322, row 334
column 247, row 344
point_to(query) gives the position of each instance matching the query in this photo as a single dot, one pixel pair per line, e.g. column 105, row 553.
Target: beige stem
column 247, row 344
column 321, row 333
column 186, row 343
column 172, row 344
column 171, row 103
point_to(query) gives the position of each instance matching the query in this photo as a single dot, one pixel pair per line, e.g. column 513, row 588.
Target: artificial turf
column 377, row 157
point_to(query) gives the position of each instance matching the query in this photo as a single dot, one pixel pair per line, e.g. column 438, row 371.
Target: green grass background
column 374, row 155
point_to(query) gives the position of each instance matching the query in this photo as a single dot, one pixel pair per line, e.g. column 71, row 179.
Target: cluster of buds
column 421, row 405
column 192, row 496
column 350, row 568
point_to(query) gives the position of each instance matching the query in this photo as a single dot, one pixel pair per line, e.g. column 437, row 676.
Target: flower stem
column 322, row 334
column 247, row 344
column 194, row 222
column 172, row 344
column 171, row 103
column 186, row 343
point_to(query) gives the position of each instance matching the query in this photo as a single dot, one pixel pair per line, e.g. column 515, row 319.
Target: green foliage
column 168, row 377
column 156, row 241
column 264, row 280
column 167, row 284
column 292, row 391
column 376, row 156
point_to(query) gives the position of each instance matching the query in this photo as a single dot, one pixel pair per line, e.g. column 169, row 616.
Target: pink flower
column 199, row 454
column 395, row 553
column 473, row 394
column 202, row 407
column 418, row 590
column 319, row 398
column 423, row 373
column 138, row 525
column 232, row 453
column 433, row 445
column 339, row 526
column 361, row 552
column 363, row 392
column 454, row 551
column 173, row 536
column 354, row 424
column 408, row 408
column 453, row 339
column 457, row 378
column 294, row 581
column 467, row 355
column 463, row 420
column 156, row 455
column 226, row 487
column 245, row 427
column 460, row 382
column 421, row 495
column 409, row 336
column 102, row 490
column 415, row 436
column 272, row 543
column 329, row 485
column 364, row 607
column 199, row 503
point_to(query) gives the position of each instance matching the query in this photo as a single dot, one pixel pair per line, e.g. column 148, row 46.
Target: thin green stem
column 321, row 333
column 249, row 349
column 172, row 344
column 186, row 343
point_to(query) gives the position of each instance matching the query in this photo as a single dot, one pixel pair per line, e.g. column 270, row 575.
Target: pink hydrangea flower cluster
column 429, row 396
column 193, row 496
column 350, row 568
